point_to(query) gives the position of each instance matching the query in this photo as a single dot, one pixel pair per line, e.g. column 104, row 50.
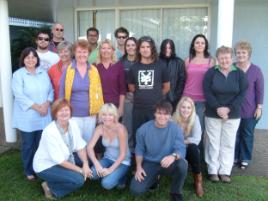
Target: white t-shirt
column 48, row 59
column 52, row 150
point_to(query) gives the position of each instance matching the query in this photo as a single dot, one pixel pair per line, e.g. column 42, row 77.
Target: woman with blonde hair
column 185, row 116
column 112, row 76
column 112, row 168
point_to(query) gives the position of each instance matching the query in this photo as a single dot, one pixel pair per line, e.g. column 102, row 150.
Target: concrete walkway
column 259, row 166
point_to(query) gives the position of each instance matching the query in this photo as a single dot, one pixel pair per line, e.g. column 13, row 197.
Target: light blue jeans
column 116, row 177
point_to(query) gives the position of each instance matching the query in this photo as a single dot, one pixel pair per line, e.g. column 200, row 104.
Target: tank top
column 112, row 150
column 194, row 82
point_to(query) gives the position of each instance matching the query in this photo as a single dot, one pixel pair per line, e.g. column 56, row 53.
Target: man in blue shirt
column 160, row 150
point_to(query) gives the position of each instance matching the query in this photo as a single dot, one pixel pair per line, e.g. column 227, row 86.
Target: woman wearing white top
column 112, row 168
column 186, row 117
column 54, row 160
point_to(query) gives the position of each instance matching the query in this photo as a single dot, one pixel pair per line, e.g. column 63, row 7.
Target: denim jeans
column 200, row 111
column 245, row 139
column 61, row 181
column 177, row 170
column 29, row 145
column 116, row 177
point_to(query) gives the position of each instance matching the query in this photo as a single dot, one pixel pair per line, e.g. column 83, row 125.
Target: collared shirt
column 93, row 56
column 80, row 92
column 52, row 150
column 29, row 89
column 155, row 143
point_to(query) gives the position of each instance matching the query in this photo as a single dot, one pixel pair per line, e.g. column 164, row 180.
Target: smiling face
column 185, row 110
column 131, row 47
column 161, row 118
column 121, row 38
column 30, row 61
column 63, row 115
column 106, row 51
column 225, row 61
column 42, row 41
column 199, row 45
column 93, row 37
column 242, row 56
column 107, row 118
column 81, row 55
column 65, row 55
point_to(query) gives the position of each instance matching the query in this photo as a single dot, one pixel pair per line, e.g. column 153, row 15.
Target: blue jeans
column 116, row 177
column 61, row 181
column 29, row 145
column 177, row 170
column 200, row 111
column 245, row 139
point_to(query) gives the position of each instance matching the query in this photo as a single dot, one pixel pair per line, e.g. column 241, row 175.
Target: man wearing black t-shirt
column 148, row 79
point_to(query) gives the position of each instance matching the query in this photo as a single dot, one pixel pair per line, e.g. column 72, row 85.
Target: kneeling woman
column 54, row 160
column 112, row 168
column 185, row 116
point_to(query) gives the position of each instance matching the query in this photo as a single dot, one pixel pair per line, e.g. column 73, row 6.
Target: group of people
column 85, row 110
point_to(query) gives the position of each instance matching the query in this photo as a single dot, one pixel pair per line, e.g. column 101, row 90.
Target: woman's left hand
column 120, row 111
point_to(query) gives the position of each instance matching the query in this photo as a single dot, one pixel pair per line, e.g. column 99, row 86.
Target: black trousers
column 193, row 157
column 139, row 117
column 177, row 170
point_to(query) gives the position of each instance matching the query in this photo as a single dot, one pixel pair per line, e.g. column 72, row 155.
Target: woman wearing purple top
column 80, row 84
column 251, row 108
column 112, row 76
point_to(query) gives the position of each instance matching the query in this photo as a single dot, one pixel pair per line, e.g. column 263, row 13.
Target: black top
column 148, row 80
column 224, row 91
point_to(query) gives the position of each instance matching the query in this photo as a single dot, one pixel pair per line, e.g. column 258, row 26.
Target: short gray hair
column 65, row 45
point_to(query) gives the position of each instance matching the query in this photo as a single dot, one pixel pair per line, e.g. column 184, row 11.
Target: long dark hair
column 149, row 40
column 163, row 49
column 25, row 53
column 192, row 52
column 135, row 41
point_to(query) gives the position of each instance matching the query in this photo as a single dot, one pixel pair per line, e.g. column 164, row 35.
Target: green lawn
column 13, row 186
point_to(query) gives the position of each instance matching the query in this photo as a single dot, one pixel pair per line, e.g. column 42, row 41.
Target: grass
column 14, row 186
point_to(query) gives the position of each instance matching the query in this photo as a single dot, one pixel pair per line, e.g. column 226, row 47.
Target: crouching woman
column 113, row 167
column 54, row 161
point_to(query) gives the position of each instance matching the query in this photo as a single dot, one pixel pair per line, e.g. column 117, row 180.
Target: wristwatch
column 175, row 155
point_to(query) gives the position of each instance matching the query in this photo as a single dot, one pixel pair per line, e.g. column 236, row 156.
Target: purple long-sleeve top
column 80, row 92
column 113, row 82
column 255, row 91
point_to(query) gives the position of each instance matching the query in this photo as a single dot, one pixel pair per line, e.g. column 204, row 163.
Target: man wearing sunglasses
column 47, row 58
column 121, row 34
column 57, row 32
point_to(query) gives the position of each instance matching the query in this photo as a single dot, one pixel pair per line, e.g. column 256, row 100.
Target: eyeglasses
column 121, row 37
column 43, row 38
column 59, row 29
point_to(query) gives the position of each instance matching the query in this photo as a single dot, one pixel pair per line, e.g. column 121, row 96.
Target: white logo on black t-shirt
column 146, row 79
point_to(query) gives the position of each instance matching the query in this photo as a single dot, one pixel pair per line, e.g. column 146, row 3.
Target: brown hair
column 82, row 43
column 59, row 104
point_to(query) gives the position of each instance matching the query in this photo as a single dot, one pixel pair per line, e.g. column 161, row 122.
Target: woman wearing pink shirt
column 196, row 65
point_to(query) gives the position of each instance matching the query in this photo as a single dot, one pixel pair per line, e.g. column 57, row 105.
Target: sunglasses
column 43, row 38
column 59, row 29
column 121, row 37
